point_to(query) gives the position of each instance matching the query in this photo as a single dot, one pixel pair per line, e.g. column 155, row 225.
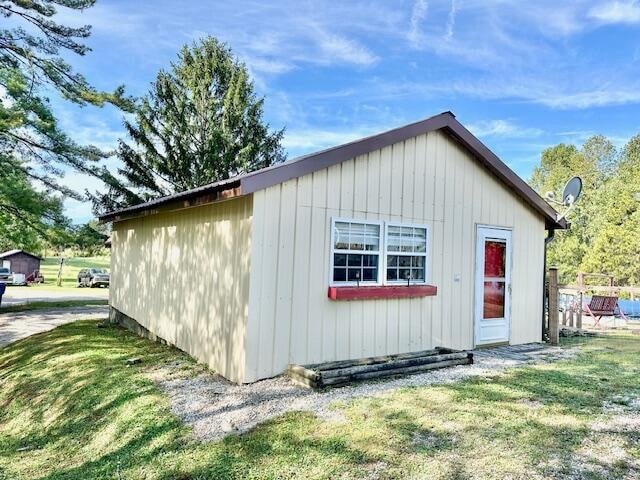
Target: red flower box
column 371, row 293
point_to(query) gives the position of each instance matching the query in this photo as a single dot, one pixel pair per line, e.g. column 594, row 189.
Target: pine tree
column 33, row 148
column 201, row 122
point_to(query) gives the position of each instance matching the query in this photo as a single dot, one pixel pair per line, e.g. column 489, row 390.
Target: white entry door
column 493, row 285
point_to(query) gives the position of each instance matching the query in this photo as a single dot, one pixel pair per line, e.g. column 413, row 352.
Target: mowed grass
column 49, row 268
column 52, row 304
column 70, row 408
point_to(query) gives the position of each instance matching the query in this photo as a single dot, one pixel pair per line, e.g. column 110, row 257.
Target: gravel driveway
column 22, row 295
column 15, row 326
column 216, row 408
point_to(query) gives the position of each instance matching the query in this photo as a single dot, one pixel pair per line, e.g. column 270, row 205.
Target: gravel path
column 216, row 408
column 24, row 295
column 15, row 326
column 607, row 452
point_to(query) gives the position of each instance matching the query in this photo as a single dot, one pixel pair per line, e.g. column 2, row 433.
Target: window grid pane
column 404, row 267
column 406, row 248
column 406, row 253
column 355, row 268
column 406, row 239
column 356, row 236
column 349, row 266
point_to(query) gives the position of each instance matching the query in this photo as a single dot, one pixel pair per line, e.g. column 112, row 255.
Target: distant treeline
column 605, row 225
column 85, row 240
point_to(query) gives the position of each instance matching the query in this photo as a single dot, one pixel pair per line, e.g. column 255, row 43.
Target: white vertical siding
column 428, row 179
column 185, row 276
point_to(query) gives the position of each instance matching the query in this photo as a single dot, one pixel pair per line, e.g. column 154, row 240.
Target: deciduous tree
column 605, row 225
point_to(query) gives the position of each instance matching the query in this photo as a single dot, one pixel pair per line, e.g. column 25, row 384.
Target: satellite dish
column 571, row 191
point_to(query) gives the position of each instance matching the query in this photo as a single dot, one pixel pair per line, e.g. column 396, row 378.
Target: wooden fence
column 565, row 302
column 570, row 306
column 634, row 292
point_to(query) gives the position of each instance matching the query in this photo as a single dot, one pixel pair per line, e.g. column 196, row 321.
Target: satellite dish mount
column 570, row 195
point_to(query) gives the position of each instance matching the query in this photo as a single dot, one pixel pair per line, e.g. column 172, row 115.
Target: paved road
column 22, row 295
column 15, row 326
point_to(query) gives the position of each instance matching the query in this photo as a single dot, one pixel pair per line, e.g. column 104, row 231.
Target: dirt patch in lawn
column 605, row 452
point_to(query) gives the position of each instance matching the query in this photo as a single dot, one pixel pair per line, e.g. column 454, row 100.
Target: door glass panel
column 493, row 299
column 494, row 278
column 494, row 258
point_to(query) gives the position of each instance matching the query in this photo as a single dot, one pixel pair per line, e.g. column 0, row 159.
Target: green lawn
column 52, row 304
column 71, row 267
column 71, row 408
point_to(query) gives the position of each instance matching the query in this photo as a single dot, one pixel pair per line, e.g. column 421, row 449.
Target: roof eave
column 508, row 176
column 306, row 164
column 267, row 177
column 16, row 252
column 192, row 198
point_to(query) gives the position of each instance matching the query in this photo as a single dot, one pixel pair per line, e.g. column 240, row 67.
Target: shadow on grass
column 68, row 394
column 69, row 398
column 62, row 388
column 530, row 419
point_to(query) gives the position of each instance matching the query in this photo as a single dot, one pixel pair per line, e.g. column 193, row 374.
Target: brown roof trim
column 282, row 172
column 10, row 253
column 508, row 176
column 260, row 179
column 204, row 195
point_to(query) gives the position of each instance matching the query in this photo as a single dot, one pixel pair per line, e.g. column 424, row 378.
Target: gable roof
column 14, row 252
column 266, row 177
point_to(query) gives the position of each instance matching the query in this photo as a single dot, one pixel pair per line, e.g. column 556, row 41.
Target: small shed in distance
column 19, row 261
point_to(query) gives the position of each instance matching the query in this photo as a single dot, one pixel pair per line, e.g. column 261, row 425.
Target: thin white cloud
column 503, row 129
column 616, row 12
column 306, row 33
column 307, row 140
column 595, row 91
column 418, row 14
column 559, row 96
column 265, row 65
column 451, row 20
column 342, row 49
column 591, row 98
column 100, row 127
column 80, row 211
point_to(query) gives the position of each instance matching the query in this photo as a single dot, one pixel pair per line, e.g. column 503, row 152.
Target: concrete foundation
column 117, row 317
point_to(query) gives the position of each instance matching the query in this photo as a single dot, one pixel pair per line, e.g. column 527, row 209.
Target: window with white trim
column 406, row 253
column 363, row 252
column 355, row 256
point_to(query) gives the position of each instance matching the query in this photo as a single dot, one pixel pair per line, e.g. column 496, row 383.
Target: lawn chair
column 602, row 306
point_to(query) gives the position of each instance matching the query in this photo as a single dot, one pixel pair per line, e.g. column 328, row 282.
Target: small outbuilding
column 416, row 238
column 19, row 261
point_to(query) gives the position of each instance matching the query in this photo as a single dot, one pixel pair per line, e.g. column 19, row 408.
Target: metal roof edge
column 275, row 174
column 16, row 251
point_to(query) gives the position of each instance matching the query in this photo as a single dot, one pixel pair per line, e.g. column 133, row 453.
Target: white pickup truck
column 5, row 275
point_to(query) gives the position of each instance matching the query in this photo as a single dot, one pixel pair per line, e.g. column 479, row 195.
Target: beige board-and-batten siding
column 184, row 276
column 429, row 179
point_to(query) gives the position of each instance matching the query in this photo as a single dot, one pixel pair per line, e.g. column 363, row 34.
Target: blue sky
column 521, row 75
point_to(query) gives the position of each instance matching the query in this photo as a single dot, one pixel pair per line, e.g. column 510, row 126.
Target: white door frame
column 496, row 330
